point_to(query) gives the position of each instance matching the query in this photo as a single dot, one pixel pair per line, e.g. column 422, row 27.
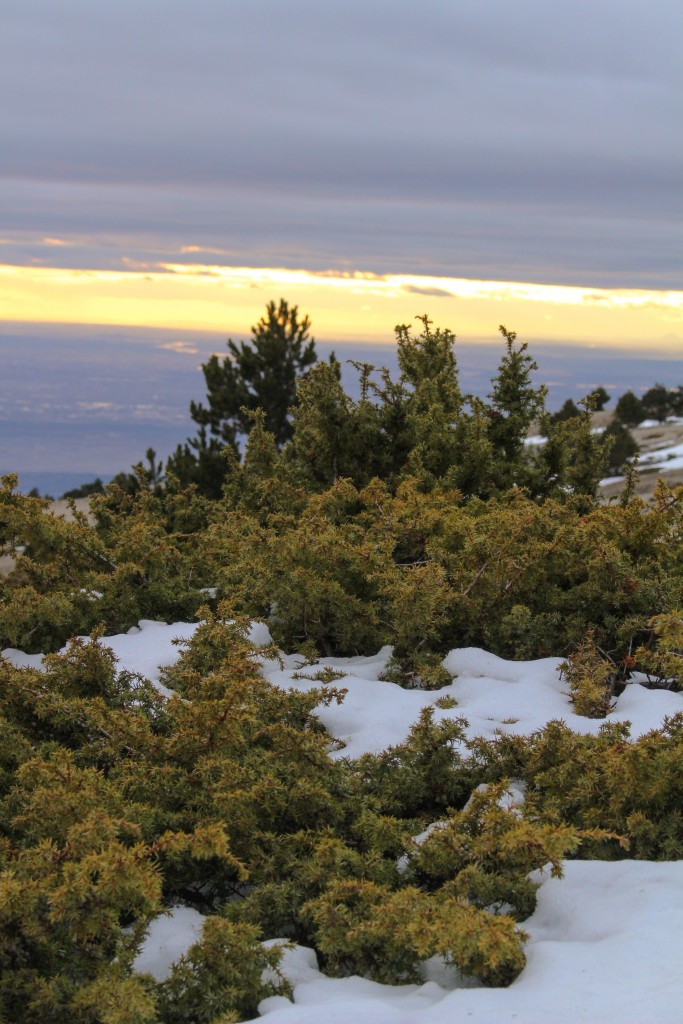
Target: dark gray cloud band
column 524, row 141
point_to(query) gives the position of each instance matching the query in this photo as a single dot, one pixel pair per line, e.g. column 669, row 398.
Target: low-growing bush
column 609, row 781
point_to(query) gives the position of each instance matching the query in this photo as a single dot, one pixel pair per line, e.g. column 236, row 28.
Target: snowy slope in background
column 602, row 940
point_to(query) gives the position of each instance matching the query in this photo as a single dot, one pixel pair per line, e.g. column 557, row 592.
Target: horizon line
column 214, row 298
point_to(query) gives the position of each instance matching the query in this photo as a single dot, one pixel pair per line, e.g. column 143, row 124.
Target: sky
column 178, row 165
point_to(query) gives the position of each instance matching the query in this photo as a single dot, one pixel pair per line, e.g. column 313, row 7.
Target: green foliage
column 258, row 375
column 515, row 405
column 354, row 570
column 663, row 660
column 574, row 459
column 116, row 802
column 85, row 490
column 414, row 516
column 657, row 403
column 220, row 978
column 483, row 854
column 360, row 926
column 347, row 570
column 591, row 679
column 624, row 446
column 459, row 880
column 72, row 871
column 601, row 397
column 434, row 401
column 630, row 409
column 203, row 462
column 323, row 439
column 136, row 563
column 421, row 426
column 568, row 411
column 425, row 775
column 629, row 789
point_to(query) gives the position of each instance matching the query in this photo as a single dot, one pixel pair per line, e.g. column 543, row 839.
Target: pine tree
column 515, row 405
column 630, row 409
column 587, row 453
column 323, row 437
column 260, row 374
column 434, row 403
column 569, row 411
column 203, row 461
column 657, row 402
column 601, row 398
column 624, row 445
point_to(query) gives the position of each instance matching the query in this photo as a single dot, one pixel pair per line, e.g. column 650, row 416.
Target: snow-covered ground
column 667, row 458
column 658, row 454
column 604, row 941
column 660, row 460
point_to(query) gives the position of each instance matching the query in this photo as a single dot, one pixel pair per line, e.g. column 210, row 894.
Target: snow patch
column 599, row 952
column 168, row 938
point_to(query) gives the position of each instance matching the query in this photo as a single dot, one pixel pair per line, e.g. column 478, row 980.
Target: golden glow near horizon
column 354, row 306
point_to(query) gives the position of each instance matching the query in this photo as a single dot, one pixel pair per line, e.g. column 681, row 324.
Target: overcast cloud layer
column 521, row 141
